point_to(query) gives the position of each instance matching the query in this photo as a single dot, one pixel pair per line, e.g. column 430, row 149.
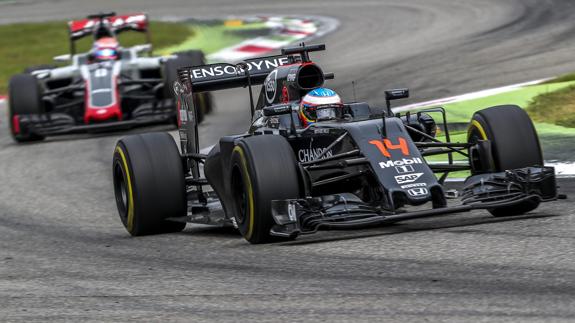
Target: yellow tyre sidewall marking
column 479, row 127
column 240, row 151
column 476, row 124
column 130, row 206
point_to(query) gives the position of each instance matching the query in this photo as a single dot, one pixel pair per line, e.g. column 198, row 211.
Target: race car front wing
column 51, row 124
column 347, row 211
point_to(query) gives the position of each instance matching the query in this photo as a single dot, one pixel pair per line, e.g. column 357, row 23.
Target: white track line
column 469, row 96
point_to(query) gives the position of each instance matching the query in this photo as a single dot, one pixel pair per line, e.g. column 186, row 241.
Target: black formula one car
column 108, row 88
column 280, row 179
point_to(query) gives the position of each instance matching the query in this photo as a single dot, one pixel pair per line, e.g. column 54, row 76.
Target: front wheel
column 514, row 144
column 149, row 184
column 24, row 98
column 263, row 169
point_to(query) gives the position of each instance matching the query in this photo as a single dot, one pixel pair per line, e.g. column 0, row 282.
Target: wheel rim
column 121, row 190
column 473, row 137
column 240, row 196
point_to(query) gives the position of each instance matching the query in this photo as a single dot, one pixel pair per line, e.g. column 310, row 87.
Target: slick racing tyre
column 202, row 101
column 263, row 168
column 514, row 144
column 24, row 98
column 149, row 184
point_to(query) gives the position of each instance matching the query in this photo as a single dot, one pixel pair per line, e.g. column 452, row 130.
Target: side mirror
column 164, row 59
column 396, row 94
column 42, row 74
column 145, row 48
column 63, row 58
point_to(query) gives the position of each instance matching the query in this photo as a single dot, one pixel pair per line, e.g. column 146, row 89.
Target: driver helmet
column 319, row 105
column 105, row 49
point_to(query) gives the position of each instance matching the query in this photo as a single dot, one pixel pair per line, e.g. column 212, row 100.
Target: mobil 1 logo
column 404, row 169
column 401, row 162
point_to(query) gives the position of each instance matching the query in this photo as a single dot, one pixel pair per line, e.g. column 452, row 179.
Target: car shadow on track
column 94, row 135
column 206, row 231
column 447, row 222
column 437, row 224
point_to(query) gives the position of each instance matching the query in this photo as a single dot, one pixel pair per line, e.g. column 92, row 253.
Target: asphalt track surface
column 64, row 254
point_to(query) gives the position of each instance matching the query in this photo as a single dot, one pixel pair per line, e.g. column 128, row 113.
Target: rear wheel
column 202, row 101
column 24, row 98
column 514, row 144
column 149, row 184
column 263, row 168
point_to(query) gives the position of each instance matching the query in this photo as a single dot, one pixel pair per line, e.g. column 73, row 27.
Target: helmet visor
column 106, row 53
column 326, row 112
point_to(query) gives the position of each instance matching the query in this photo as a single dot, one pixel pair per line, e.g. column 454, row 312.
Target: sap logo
column 409, row 178
column 414, row 185
column 404, row 169
column 402, row 162
column 270, row 86
column 418, row 192
column 306, row 155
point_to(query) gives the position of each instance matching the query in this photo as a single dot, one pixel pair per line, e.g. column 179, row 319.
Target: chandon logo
column 310, row 154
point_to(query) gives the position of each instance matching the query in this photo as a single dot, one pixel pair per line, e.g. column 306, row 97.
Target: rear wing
column 221, row 76
column 250, row 72
column 84, row 27
column 117, row 23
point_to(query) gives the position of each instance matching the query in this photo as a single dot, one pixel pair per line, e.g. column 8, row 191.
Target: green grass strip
column 556, row 107
column 28, row 44
column 208, row 38
column 556, row 140
column 463, row 111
